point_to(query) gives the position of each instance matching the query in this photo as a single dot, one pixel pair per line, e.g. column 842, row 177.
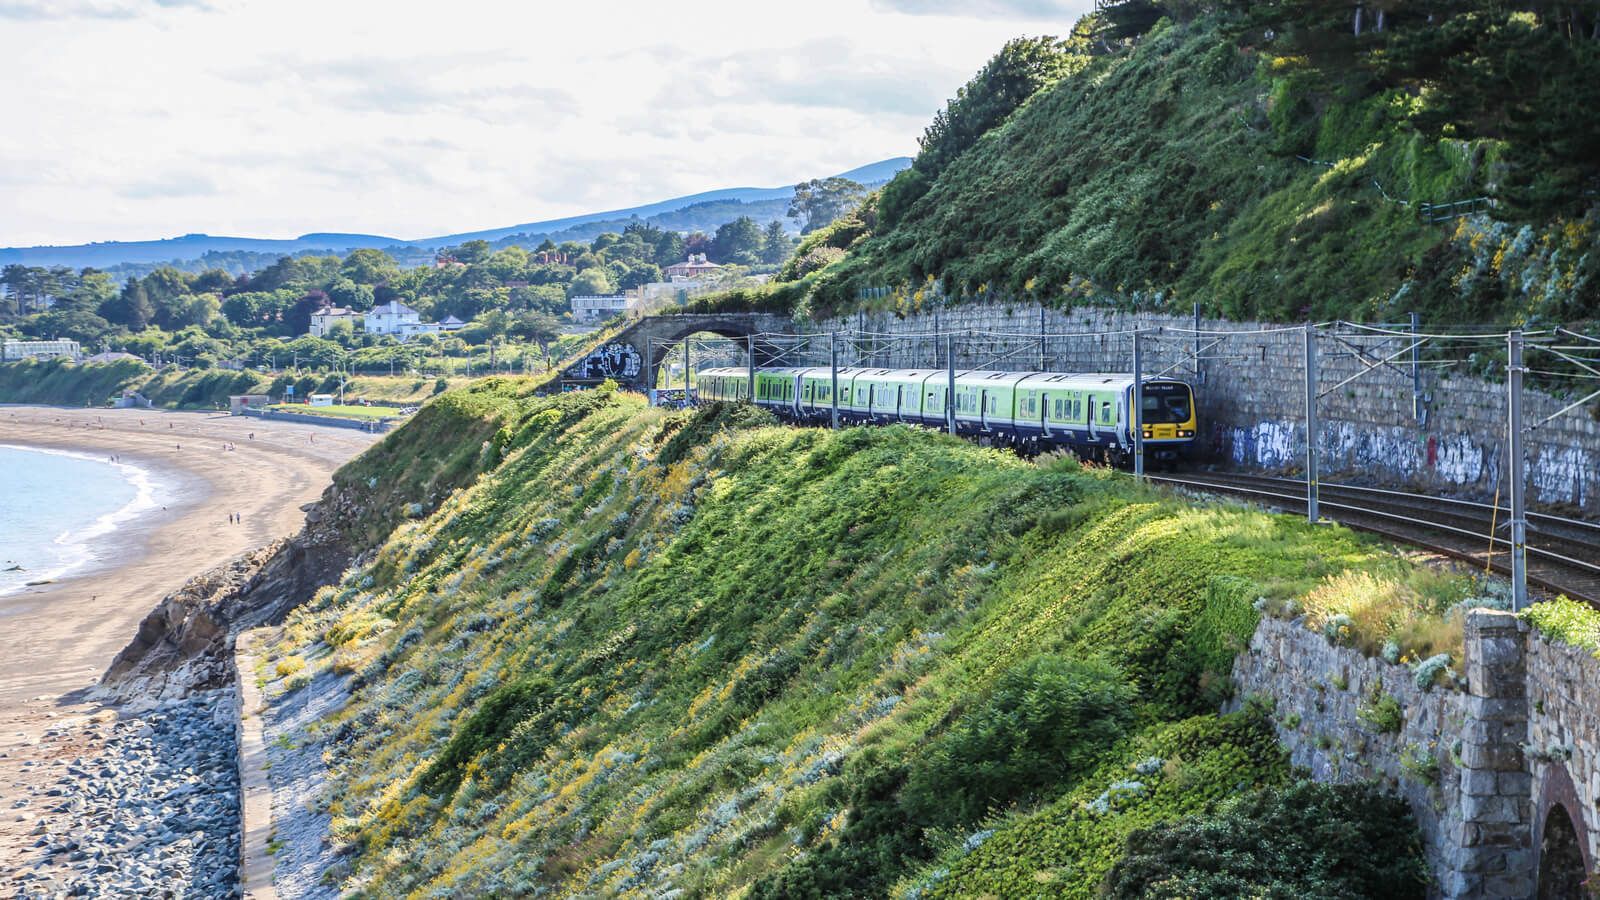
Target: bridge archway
column 634, row 357
column 1560, row 838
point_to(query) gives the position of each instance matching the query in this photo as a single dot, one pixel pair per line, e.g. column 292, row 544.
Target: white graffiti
column 1563, row 475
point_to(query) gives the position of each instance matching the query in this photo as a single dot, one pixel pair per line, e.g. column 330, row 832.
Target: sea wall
column 1448, row 438
column 1484, row 763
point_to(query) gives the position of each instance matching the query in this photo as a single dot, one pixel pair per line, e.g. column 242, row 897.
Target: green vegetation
column 1305, row 840
column 1255, row 158
column 512, row 298
column 57, row 382
column 1382, row 714
column 1568, row 621
column 365, row 413
column 607, row 649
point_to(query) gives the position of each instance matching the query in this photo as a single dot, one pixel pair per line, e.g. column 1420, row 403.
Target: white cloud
column 131, row 119
column 1066, row 11
column 42, row 10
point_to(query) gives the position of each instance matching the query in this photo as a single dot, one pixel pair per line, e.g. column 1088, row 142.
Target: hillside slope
column 1195, row 166
column 671, row 654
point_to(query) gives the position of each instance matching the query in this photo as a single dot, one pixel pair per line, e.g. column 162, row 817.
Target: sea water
column 59, row 509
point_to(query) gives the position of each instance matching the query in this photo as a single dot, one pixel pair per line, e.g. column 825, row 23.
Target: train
column 1030, row 411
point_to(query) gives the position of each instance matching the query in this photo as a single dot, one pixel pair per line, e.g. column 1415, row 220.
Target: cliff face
column 185, row 643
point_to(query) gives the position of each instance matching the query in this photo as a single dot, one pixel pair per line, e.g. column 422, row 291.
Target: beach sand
column 57, row 639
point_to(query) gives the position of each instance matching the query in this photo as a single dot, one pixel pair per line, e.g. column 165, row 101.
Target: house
column 15, row 350
column 323, row 320
column 595, row 309
column 451, row 323
column 394, row 318
column 238, row 403
column 696, row 266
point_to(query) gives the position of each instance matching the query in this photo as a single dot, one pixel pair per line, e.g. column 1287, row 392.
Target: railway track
column 1563, row 553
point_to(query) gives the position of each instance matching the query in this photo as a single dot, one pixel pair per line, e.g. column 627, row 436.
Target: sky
column 143, row 119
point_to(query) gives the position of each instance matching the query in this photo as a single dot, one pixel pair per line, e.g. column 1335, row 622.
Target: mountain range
column 718, row 205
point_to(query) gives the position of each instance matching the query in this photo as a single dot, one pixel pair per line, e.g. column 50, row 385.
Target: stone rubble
column 154, row 813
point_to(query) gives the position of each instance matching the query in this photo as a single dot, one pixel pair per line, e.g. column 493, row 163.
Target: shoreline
column 57, row 639
column 163, row 491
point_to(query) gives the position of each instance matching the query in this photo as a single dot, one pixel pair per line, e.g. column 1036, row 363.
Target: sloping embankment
column 653, row 652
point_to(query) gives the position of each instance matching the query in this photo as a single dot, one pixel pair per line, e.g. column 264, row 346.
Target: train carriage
column 1088, row 413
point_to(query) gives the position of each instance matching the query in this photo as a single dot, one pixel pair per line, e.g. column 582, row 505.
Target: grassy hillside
column 674, row 654
column 1199, row 165
column 61, row 383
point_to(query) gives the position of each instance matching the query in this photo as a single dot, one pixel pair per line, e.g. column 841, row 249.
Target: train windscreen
column 1167, row 403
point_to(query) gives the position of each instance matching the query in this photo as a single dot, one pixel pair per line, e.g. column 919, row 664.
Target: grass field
column 367, row 413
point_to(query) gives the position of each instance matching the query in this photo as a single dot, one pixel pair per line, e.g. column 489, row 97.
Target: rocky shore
column 145, row 804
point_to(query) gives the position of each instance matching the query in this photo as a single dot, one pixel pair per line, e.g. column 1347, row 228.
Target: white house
column 696, row 266
column 15, row 350
column 393, row 317
column 323, row 320
column 594, row 309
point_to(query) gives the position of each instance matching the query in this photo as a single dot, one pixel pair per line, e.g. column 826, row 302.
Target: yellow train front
column 1087, row 413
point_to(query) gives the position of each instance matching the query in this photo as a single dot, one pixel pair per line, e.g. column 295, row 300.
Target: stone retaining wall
column 1458, row 753
column 1252, row 396
column 1563, row 742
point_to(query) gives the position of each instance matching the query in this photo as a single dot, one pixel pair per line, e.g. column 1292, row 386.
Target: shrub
column 1305, row 840
column 493, row 721
column 1567, row 621
column 1047, row 718
column 1382, row 714
column 289, row 665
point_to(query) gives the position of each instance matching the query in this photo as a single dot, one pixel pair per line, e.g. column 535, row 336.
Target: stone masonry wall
column 1252, row 396
column 1481, row 767
column 1563, row 745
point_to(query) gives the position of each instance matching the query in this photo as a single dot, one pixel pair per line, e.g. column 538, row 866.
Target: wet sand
column 57, row 639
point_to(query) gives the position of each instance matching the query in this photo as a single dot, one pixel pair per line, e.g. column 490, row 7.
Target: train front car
column 1169, row 419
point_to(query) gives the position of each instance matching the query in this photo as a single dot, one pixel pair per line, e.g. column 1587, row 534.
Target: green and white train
column 1029, row 410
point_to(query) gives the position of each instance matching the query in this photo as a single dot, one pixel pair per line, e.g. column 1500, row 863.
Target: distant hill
column 761, row 203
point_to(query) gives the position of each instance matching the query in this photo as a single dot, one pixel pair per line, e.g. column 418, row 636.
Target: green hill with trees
column 1282, row 160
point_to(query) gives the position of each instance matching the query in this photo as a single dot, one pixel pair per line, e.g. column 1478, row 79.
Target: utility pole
column 685, row 371
column 1312, row 513
column 1519, row 518
column 1198, row 378
column 749, row 365
column 1137, row 418
column 1041, row 336
column 950, row 381
column 1416, row 368
column 833, row 361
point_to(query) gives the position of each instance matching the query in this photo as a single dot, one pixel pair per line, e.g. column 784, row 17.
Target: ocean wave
column 78, row 545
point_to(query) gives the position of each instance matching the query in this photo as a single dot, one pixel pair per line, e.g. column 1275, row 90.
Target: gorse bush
column 624, row 651
column 1305, row 840
column 1048, row 718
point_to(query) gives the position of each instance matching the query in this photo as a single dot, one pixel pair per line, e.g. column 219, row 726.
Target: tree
column 820, row 201
column 369, row 267
column 1017, row 72
column 591, row 283
column 737, row 242
column 776, row 245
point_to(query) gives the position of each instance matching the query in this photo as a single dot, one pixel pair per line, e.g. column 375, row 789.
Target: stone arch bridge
column 633, row 357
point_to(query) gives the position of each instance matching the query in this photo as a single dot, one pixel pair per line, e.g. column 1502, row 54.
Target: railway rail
column 1563, row 554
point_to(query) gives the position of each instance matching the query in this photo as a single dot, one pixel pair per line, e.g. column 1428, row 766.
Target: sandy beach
column 57, row 639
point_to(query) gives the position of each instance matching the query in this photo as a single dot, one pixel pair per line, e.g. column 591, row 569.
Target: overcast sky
column 139, row 119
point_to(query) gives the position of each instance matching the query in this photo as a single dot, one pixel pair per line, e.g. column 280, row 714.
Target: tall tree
column 737, row 242
column 822, row 200
column 775, row 243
